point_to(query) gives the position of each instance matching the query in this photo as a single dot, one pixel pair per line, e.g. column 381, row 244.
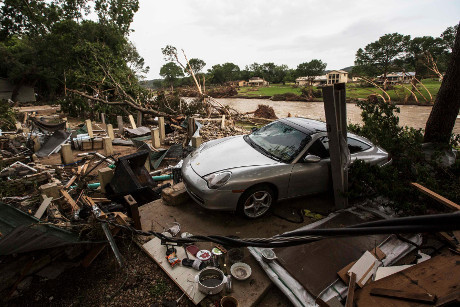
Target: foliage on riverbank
column 404, row 144
column 355, row 91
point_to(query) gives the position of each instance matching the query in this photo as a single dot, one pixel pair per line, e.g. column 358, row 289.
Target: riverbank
column 425, row 93
column 410, row 115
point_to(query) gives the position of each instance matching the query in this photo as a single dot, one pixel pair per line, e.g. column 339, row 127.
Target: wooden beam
column 436, row 196
column 70, row 200
column 43, row 206
column 404, row 295
column 69, row 183
column 351, row 290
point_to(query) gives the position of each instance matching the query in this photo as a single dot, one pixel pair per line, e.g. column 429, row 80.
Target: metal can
column 205, row 256
column 217, row 257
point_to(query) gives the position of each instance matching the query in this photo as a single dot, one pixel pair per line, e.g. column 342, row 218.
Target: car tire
column 256, row 201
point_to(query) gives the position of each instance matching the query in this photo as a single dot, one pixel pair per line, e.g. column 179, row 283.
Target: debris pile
column 265, row 111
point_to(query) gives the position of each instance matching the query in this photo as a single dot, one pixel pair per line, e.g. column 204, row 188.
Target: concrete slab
column 194, row 219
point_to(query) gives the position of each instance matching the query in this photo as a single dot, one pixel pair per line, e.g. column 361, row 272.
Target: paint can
column 228, row 301
column 217, row 257
column 205, row 256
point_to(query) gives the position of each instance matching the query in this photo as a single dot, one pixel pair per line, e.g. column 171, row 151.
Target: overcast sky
column 281, row 31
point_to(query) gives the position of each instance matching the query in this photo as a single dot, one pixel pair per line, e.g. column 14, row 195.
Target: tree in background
column 382, row 56
column 219, row 74
column 197, row 65
column 311, row 69
column 417, row 50
column 52, row 46
column 171, row 72
column 447, row 105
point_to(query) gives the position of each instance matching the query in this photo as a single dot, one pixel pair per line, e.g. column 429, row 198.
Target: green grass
column 353, row 91
column 270, row 90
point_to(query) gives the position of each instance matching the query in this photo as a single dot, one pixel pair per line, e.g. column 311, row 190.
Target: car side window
column 356, row 146
column 320, row 148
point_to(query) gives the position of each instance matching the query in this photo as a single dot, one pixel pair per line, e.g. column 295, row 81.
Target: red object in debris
column 192, row 249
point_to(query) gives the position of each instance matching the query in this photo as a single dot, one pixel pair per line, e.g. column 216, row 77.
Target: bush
column 404, row 144
column 7, row 116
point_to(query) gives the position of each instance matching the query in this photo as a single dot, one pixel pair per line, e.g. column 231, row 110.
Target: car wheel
column 256, row 201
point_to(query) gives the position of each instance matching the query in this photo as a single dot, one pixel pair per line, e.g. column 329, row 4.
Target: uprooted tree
column 447, row 105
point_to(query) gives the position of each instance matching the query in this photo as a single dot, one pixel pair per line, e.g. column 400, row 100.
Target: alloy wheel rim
column 257, row 204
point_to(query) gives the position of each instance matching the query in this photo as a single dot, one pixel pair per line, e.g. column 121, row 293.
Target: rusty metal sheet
column 315, row 265
column 21, row 232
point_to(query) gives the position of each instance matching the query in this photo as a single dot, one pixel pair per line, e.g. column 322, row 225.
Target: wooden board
column 439, row 276
column 436, row 196
column 183, row 277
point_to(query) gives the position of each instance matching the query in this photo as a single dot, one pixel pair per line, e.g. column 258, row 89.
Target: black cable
column 452, row 222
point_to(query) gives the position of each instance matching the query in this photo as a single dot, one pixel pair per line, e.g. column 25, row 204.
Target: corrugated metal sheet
column 21, row 232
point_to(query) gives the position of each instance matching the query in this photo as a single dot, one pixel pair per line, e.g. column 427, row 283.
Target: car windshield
column 278, row 141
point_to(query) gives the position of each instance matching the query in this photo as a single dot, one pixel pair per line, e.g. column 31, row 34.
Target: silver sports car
column 284, row 159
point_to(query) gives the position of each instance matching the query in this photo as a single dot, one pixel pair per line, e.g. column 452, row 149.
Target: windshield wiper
column 261, row 149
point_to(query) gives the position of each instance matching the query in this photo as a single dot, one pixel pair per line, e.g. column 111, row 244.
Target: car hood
column 225, row 154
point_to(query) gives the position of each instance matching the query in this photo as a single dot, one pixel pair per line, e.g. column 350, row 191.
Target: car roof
column 306, row 125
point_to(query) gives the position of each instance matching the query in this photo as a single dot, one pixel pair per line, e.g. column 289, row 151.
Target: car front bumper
column 214, row 199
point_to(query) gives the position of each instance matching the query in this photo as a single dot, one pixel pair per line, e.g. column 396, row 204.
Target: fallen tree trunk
column 122, row 103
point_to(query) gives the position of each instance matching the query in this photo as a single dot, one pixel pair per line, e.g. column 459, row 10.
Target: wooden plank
column 351, row 290
column 46, row 202
column 132, row 122
column 183, row 277
column 405, row 295
column 440, row 275
column 436, row 196
column 70, row 200
column 69, row 183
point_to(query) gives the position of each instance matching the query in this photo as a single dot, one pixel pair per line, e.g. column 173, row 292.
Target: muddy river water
column 413, row 116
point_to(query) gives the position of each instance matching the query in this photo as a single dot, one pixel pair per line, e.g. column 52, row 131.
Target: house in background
column 317, row 81
column 257, row 81
column 242, row 83
column 25, row 93
column 337, row 76
column 397, row 77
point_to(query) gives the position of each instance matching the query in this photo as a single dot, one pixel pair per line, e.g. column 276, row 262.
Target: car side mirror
column 254, row 129
column 311, row 159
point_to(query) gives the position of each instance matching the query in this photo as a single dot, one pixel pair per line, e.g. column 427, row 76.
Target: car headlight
column 216, row 180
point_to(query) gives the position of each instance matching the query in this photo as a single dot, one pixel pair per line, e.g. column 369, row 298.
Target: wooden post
column 36, row 141
column 335, row 110
column 155, row 137
column 134, row 211
column 120, row 125
column 105, row 175
column 191, row 127
column 161, row 126
column 222, row 125
column 103, row 118
column 66, row 154
column 66, row 122
column 139, row 118
column 108, row 149
column 89, row 127
column 196, row 141
column 131, row 120
column 110, row 133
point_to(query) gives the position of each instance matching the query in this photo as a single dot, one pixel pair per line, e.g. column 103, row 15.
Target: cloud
column 283, row 31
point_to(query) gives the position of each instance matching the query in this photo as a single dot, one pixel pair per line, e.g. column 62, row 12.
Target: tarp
column 47, row 127
column 53, row 144
column 139, row 131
